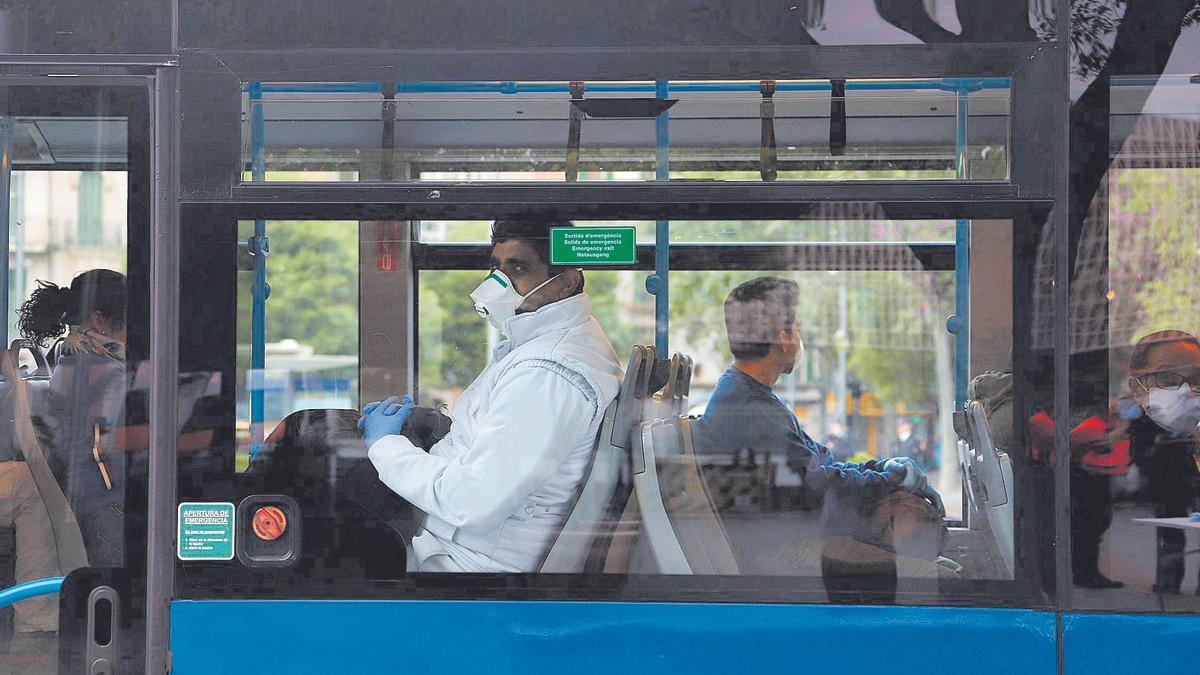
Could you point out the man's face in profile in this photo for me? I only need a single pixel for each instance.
(791, 346)
(519, 262)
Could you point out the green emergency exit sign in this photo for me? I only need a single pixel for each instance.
(205, 531)
(593, 245)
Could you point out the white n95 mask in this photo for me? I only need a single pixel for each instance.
(1175, 410)
(497, 300)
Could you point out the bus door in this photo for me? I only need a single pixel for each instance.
(74, 224)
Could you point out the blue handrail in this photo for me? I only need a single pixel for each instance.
(259, 248)
(662, 228)
(30, 589)
(960, 326)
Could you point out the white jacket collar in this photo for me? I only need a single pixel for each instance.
(564, 314)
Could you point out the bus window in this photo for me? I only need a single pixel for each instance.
(787, 130)
(303, 351)
(869, 410)
(1136, 364)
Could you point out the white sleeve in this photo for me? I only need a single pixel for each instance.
(536, 418)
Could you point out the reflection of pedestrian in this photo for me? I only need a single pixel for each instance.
(1091, 515)
(907, 445)
(836, 441)
(1165, 385)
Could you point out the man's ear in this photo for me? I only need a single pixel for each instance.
(559, 288)
(781, 340)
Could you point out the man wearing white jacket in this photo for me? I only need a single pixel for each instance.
(497, 488)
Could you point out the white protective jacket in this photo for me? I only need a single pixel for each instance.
(497, 488)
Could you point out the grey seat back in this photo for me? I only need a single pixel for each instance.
(583, 542)
(674, 395)
(680, 524)
(68, 538)
(990, 476)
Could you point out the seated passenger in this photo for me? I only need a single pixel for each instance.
(745, 415)
(497, 488)
(36, 556)
(87, 401)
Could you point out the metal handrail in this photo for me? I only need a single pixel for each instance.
(30, 589)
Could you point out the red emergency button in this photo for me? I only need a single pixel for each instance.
(269, 523)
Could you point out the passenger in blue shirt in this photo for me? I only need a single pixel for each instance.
(745, 415)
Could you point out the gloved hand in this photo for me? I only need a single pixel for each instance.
(384, 418)
(910, 477)
(905, 473)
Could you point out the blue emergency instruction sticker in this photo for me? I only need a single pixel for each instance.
(205, 531)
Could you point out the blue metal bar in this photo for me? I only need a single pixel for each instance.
(962, 263)
(259, 249)
(942, 84)
(662, 228)
(30, 589)
(7, 129)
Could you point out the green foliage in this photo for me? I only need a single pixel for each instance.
(313, 273)
(453, 345)
(1153, 213)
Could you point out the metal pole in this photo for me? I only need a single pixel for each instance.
(662, 229)
(1064, 588)
(259, 248)
(6, 141)
(16, 215)
(164, 369)
(841, 343)
(962, 263)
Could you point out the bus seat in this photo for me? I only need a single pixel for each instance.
(27, 402)
(680, 525)
(588, 531)
(674, 395)
(696, 521)
(990, 476)
(582, 542)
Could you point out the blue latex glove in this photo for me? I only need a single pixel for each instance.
(934, 498)
(910, 477)
(384, 418)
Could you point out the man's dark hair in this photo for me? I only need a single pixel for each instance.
(756, 312)
(533, 230)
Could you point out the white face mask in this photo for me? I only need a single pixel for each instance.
(799, 360)
(1175, 410)
(497, 300)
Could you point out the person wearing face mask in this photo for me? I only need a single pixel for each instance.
(86, 404)
(1164, 386)
(497, 488)
(744, 416)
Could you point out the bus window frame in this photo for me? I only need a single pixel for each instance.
(212, 200)
(200, 581)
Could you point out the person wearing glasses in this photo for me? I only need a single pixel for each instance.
(1164, 384)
